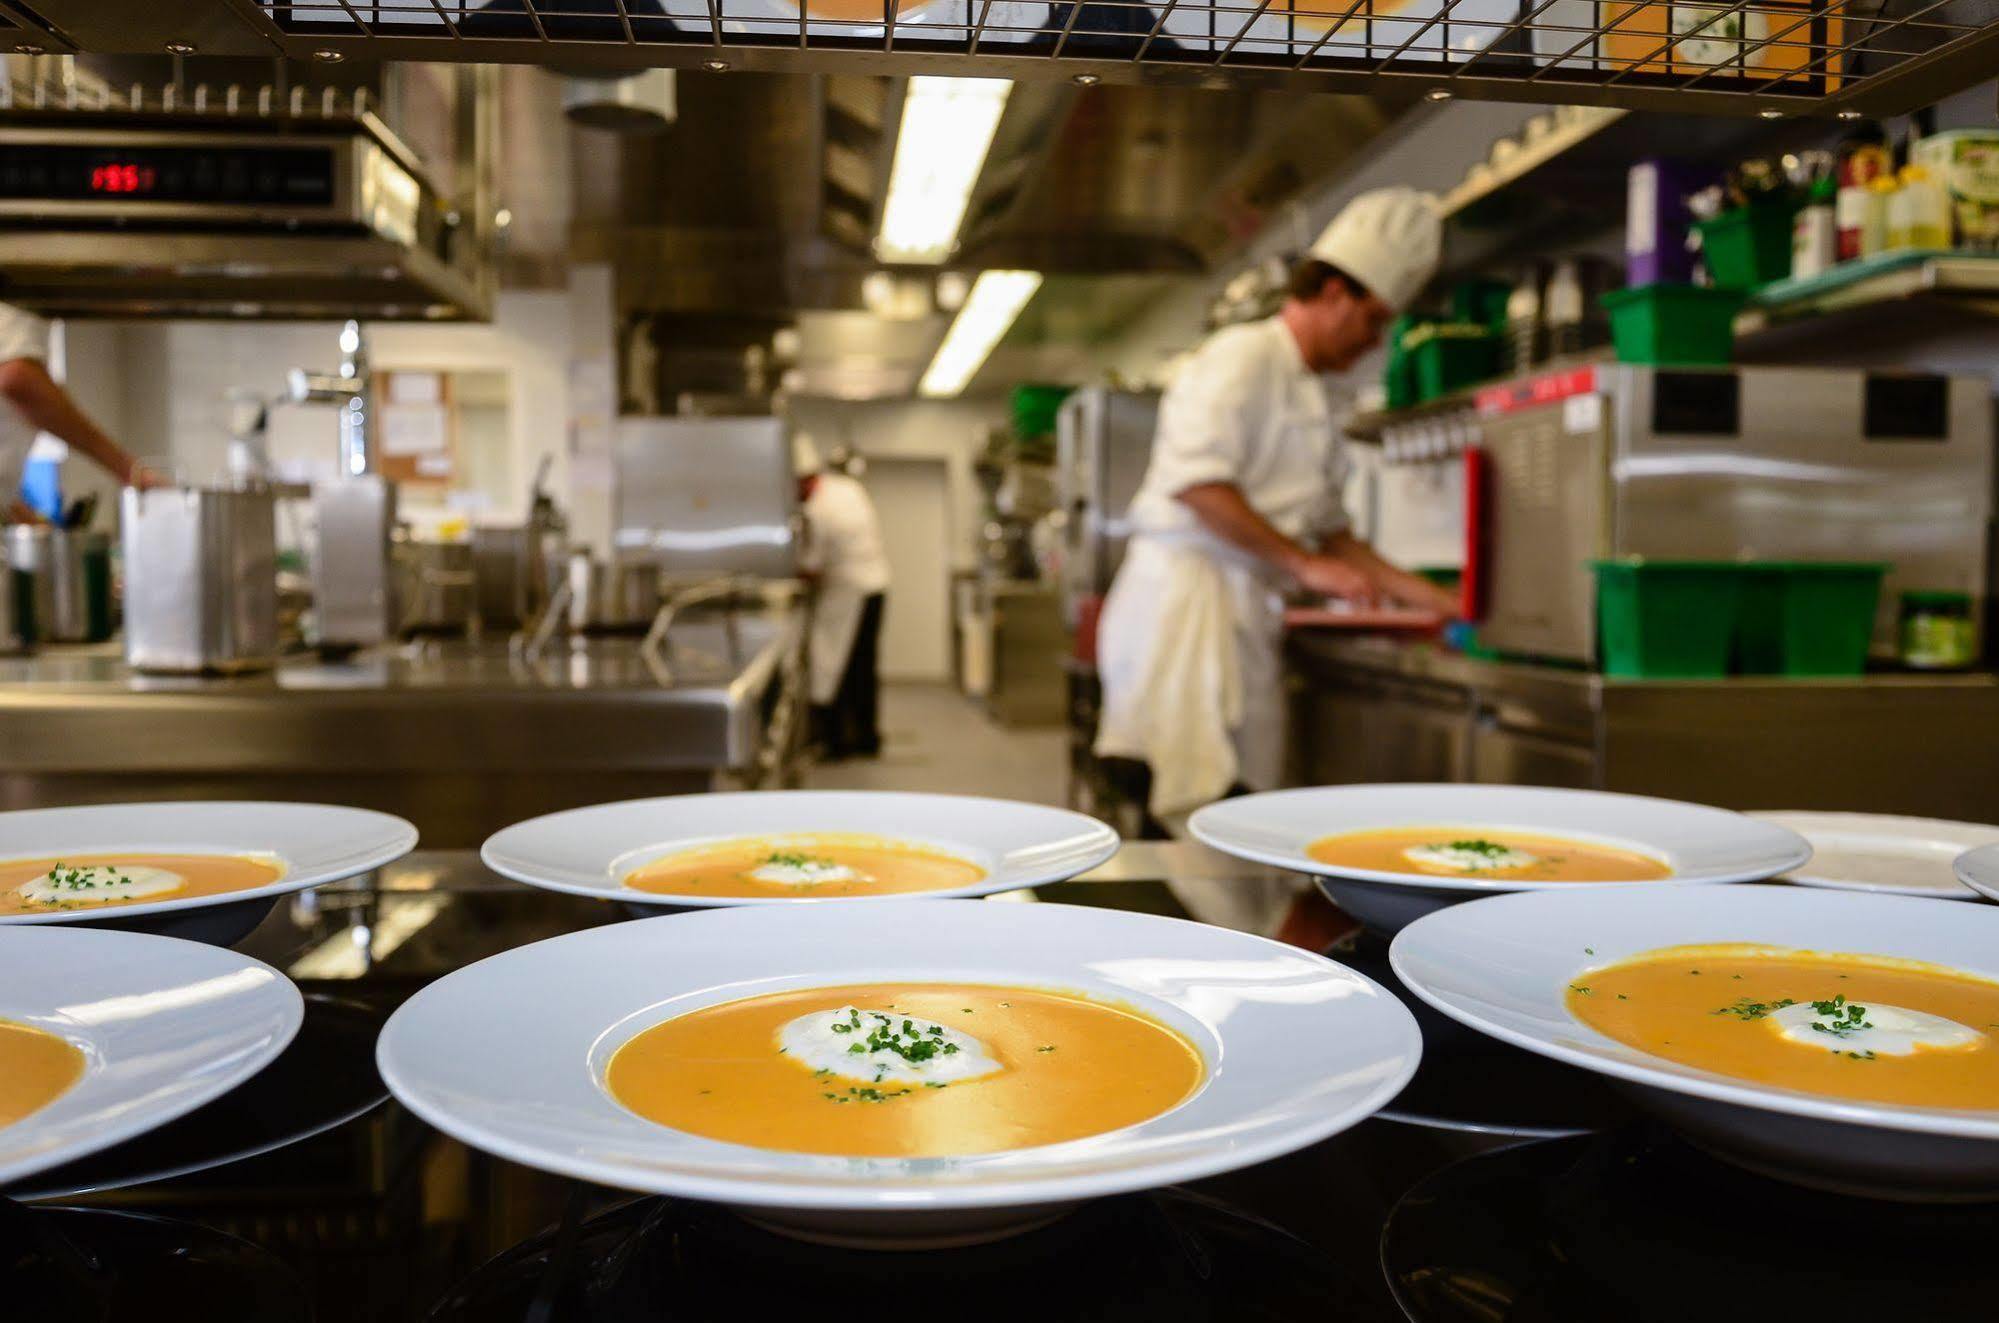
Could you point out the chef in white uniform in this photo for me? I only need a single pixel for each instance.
(36, 402)
(1240, 502)
(843, 555)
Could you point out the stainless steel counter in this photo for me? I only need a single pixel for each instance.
(461, 738)
(1368, 708)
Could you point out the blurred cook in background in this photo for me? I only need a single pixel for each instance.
(844, 558)
(35, 402)
(1241, 502)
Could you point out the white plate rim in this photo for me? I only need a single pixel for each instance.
(1970, 869)
(1203, 825)
(1713, 1087)
(1106, 842)
(861, 1198)
(136, 1123)
(1804, 821)
(400, 837)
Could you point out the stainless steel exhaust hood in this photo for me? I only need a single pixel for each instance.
(121, 213)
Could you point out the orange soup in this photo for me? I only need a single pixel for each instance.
(1483, 853)
(805, 867)
(79, 881)
(36, 1068)
(1852, 1026)
(905, 1070)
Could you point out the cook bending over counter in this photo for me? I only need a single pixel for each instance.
(1241, 501)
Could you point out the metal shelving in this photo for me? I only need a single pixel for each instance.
(1769, 57)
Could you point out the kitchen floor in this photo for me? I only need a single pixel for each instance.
(936, 739)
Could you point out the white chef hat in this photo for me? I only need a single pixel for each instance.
(805, 459)
(1389, 240)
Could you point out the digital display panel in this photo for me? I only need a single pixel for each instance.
(278, 176)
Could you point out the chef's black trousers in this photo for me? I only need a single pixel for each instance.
(850, 726)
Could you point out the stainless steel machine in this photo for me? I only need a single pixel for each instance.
(706, 496)
(353, 577)
(1103, 440)
(1755, 463)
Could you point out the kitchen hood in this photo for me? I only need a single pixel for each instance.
(321, 213)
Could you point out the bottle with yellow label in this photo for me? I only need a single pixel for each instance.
(1919, 212)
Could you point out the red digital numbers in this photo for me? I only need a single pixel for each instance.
(122, 177)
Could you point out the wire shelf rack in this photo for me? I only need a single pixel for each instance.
(1768, 57)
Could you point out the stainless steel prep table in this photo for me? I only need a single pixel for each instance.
(461, 738)
(1375, 709)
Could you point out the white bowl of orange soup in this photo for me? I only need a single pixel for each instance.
(106, 1035)
(779, 847)
(155, 864)
(923, 1072)
(1842, 1040)
(1389, 854)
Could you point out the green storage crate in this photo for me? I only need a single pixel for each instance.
(1750, 246)
(1666, 619)
(1449, 356)
(1673, 323)
(1806, 618)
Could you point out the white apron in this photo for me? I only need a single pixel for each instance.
(1189, 651)
(836, 618)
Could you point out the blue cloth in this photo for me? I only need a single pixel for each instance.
(41, 487)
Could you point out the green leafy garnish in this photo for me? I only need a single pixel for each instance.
(1745, 1008)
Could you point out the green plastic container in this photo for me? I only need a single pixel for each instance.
(1673, 323)
(1666, 619)
(1748, 247)
(1449, 356)
(1806, 618)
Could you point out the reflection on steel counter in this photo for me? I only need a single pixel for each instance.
(460, 738)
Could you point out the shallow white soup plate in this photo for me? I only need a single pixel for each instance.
(1700, 844)
(312, 844)
(590, 851)
(164, 1026)
(1979, 870)
(1503, 966)
(1884, 853)
(508, 1055)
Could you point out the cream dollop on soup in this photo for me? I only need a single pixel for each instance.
(905, 1070)
(801, 866)
(77, 881)
(1482, 853)
(1870, 1028)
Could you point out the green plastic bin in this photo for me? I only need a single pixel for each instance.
(1450, 356)
(1806, 618)
(1673, 323)
(1666, 619)
(1748, 247)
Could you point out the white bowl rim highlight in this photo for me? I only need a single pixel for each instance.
(1214, 825)
(1045, 845)
(244, 828)
(1035, 946)
(1597, 1052)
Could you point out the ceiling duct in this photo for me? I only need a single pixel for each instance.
(643, 102)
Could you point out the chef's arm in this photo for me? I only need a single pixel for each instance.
(1225, 512)
(41, 400)
(1391, 580)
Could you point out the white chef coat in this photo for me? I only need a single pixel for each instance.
(22, 335)
(843, 545)
(1245, 410)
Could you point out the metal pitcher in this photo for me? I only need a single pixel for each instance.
(201, 586)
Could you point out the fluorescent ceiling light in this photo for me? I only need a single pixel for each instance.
(947, 128)
(996, 299)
